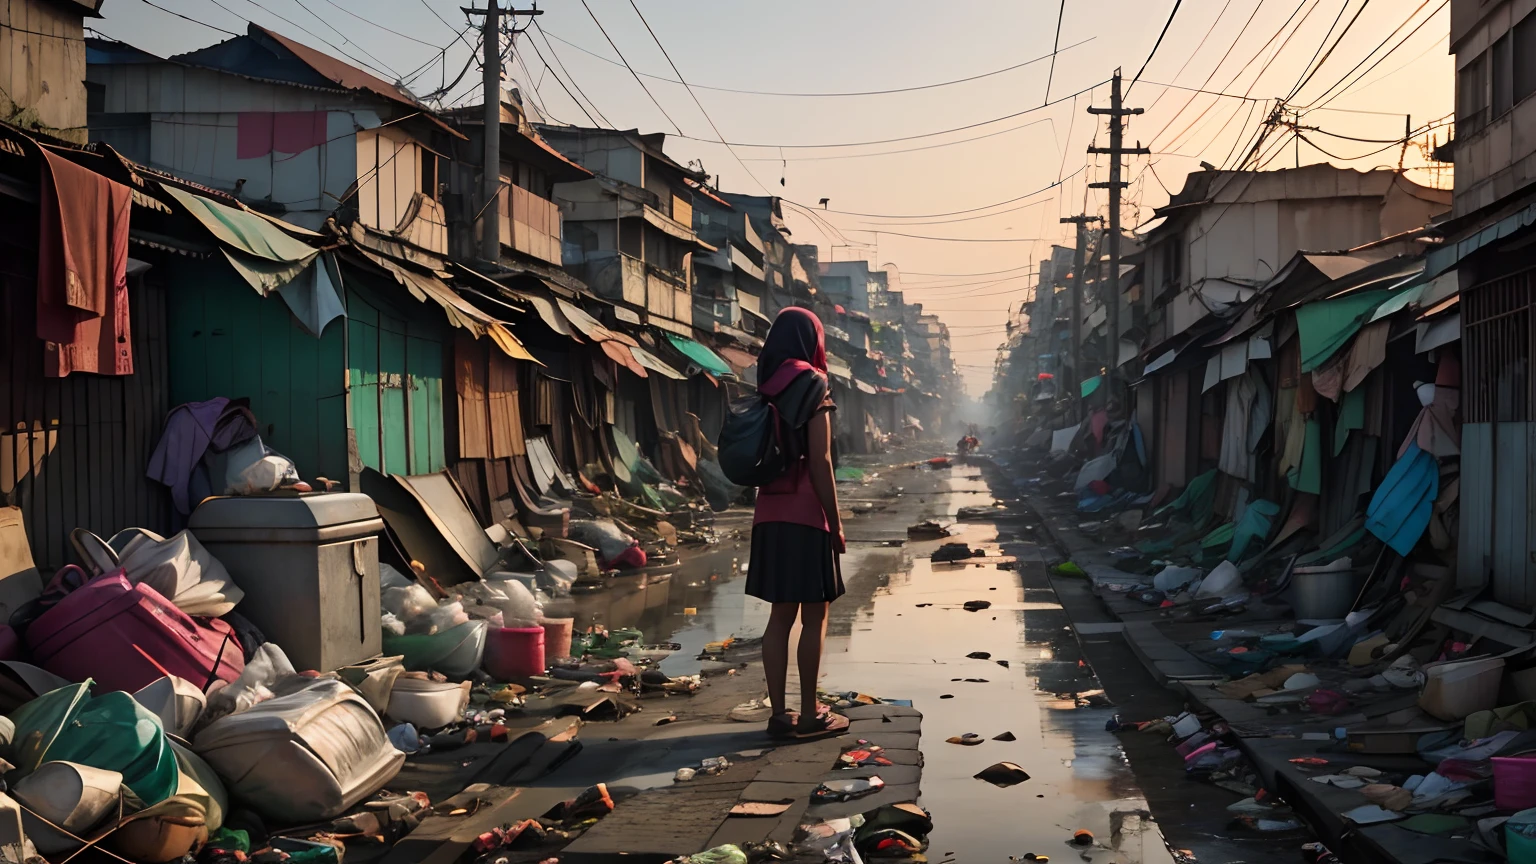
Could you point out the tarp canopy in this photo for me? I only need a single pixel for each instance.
(741, 361)
(1090, 386)
(838, 368)
(1325, 326)
(656, 364)
(865, 388)
(700, 355)
(591, 327)
(460, 312)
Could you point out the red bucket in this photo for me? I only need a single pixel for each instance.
(1514, 782)
(515, 652)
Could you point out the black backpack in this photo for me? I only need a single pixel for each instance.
(752, 451)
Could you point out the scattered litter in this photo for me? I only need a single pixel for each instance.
(761, 808)
(969, 739)
(1029, 856)
(928, 530)
(947, 696)
(1371, 814)
(977, 605)
(683, 775)
(1006, 736)
(1003, 775)
(1002, 663)
(956, 552)
(670, 718)
(1082, 837)
(979, 655)
(846, 790)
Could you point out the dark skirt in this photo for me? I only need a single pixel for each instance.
(793, 564)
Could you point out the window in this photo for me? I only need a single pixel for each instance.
(428, 173)
(1503, 75)
(1173, 260)
(1524, 51)
(1472, 96)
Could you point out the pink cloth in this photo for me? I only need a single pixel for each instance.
(260, 133)
(791, 498)
(82, 271)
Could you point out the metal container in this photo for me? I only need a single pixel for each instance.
(309, 567)
(1324, 595)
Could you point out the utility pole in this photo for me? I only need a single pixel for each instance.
(1078, 265)
(490, 225)
(1117, 151)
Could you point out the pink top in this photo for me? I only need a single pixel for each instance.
(792, 498)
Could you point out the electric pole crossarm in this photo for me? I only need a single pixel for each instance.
(490, 186)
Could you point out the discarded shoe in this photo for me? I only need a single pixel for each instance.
(1003, 775)
(977, 605)
(594, 803)
(969, 739)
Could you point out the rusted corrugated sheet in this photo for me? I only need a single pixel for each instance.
(95, 432)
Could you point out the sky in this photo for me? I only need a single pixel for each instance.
(941, 185)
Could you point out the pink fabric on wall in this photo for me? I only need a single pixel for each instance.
(261, 133)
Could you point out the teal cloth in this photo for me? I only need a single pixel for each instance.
(111, 732)
(1399, 511)
(1091, 385)
(701, 356)
(1351, 417)
(1308, 476)
(1327, 325)
(1198, 498)
(1256, 523)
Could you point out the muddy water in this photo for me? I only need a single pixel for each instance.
(881, 641)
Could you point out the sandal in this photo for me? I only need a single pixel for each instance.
(822, 725)
(783, 725)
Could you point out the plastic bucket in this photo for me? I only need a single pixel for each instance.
(515, 652)
(1324, 595)
(1514, 782)
(557, 637)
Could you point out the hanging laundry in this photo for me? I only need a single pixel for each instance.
(1328, 379)
(1238, 437)
(1399, 511)
(82, 270)
(1254, 525)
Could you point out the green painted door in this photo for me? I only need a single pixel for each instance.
(396, 366)
(227, 340)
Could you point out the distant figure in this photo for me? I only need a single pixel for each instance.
(963, 446)
(797, 534)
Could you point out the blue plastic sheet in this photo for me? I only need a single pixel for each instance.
(1399, 511)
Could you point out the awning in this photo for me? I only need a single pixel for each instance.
(460, 312)
(548, 313)
(740, 360)
(838, 368)
(1160, 362)
(700, 355)
(1326, 325)
(673, 228)
(866, 388)
(1433, 334)
(1399, 302)
(1447, 256)
(741, 336)
(1091, 386)
(591, 327)
(656, 364)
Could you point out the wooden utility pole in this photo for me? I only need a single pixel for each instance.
(1116, 151)
(490, 225)
(1079, 253)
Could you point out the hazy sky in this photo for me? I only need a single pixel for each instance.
(843, 46)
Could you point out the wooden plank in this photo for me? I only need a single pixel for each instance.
(363, 378)
(392, 399)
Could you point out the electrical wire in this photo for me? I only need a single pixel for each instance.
(563, 69)
(446, 88)
(386, 72)
(964, 128)
(912, 89)
(186, 18)
(952, 212)
(1322, 101)
(631, 69)
(1342, 33)
(446, 24)
(567, 89)
(1061, 13)
(895, 152)
(1155, 45)
(371, 23)
(947, 239)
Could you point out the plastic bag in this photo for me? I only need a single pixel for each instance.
(444, 617)
(256, 684)
(409, 603)
(253, 468)
(389, 578)
(602, 535)
(511, 596)
(392, 625)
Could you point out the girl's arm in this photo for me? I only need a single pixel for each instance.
(822, 479)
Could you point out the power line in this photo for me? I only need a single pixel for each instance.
(954, 143)
(824, 95)
(1306, 76)
(631, 69)
(1322, 101)
(947, 239)
(567, 89)
(1061, 13)
(968, 126)
(185, 18)
(371, 23)
(953, 212)
(567, 72)
(449, 26)
(1167, 24)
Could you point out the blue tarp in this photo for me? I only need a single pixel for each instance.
(1399, 511)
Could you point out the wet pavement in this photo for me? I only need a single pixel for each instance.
(901, 632)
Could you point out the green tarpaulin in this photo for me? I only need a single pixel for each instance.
(1325, 326)
(1091, 385)
(1307, 476)
(1351, 417)
(701, 356)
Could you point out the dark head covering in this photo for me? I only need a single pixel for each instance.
(796, 335)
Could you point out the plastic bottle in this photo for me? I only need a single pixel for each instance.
(1317, 853)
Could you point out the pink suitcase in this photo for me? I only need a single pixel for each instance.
(125, 636)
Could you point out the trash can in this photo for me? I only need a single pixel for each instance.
(309, 567)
